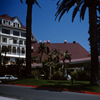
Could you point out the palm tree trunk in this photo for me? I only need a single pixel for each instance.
(93, 43)
(28, 38)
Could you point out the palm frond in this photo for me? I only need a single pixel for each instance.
(76, 9)
(37, 3)
(82, 13)
(21, 1)
(98, 9)
(74, 13)
(62, 14)
(58, 2)
(64, 6)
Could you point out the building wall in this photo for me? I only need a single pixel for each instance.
(15, 52)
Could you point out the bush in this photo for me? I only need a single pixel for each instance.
(35, 73)
(80, 75)
(57, 75)
(74, 75)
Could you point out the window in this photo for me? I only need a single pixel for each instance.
(23, 34)
(9, 23)
(5, 31)
(0, 22)
(4, 21)
(23, 51)
(4, 40)
(21, 42)
(18, 25)
(16, 33)
(14, 49)
(15, 24)
(15, 41)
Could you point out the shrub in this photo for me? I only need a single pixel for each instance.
(80, 75)
(57, 75)
(74, 75)
(35, 73)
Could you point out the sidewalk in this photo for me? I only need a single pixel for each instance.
(7, 98)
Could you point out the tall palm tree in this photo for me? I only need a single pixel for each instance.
(92, 5)
(28, 33)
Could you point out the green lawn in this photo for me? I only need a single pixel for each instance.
(63, 84)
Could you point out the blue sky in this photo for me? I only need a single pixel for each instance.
(44, 26)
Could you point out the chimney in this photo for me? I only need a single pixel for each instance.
(40, 41)
(45, 41)
(74, 42)
(65, 41)
(48, 41)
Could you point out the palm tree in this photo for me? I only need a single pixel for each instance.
(42, 49)
(28, 33)
(92, 5)
(65, 56)
(5, 50)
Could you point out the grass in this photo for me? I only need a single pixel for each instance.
(63, 84)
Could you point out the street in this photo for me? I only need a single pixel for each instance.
(30, 93)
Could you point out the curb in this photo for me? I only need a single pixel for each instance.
(57, 89)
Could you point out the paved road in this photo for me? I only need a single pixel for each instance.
(30, 93)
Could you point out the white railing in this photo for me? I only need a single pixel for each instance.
(12, 53)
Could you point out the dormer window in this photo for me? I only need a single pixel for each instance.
(18, 25)
(9, 23)
(15, 24)
(6, 22)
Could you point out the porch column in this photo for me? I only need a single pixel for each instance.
(16, 50)
(11, 50)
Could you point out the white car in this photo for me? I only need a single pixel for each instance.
(8, 77)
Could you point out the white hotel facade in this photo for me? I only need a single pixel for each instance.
(13, 36)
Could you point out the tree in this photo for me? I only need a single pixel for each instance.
(42, 49)
(28, 33)
(92, 5)
(34, 59)
(5, 50)
(65, 56)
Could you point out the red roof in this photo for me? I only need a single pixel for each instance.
(75, 49)
(7, 17)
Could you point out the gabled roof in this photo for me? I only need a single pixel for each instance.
(7, 17)
(75, 49)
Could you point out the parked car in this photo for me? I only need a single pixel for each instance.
(8, 77)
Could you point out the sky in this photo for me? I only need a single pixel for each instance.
(44, 26)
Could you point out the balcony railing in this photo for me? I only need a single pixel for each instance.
(12, 53)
